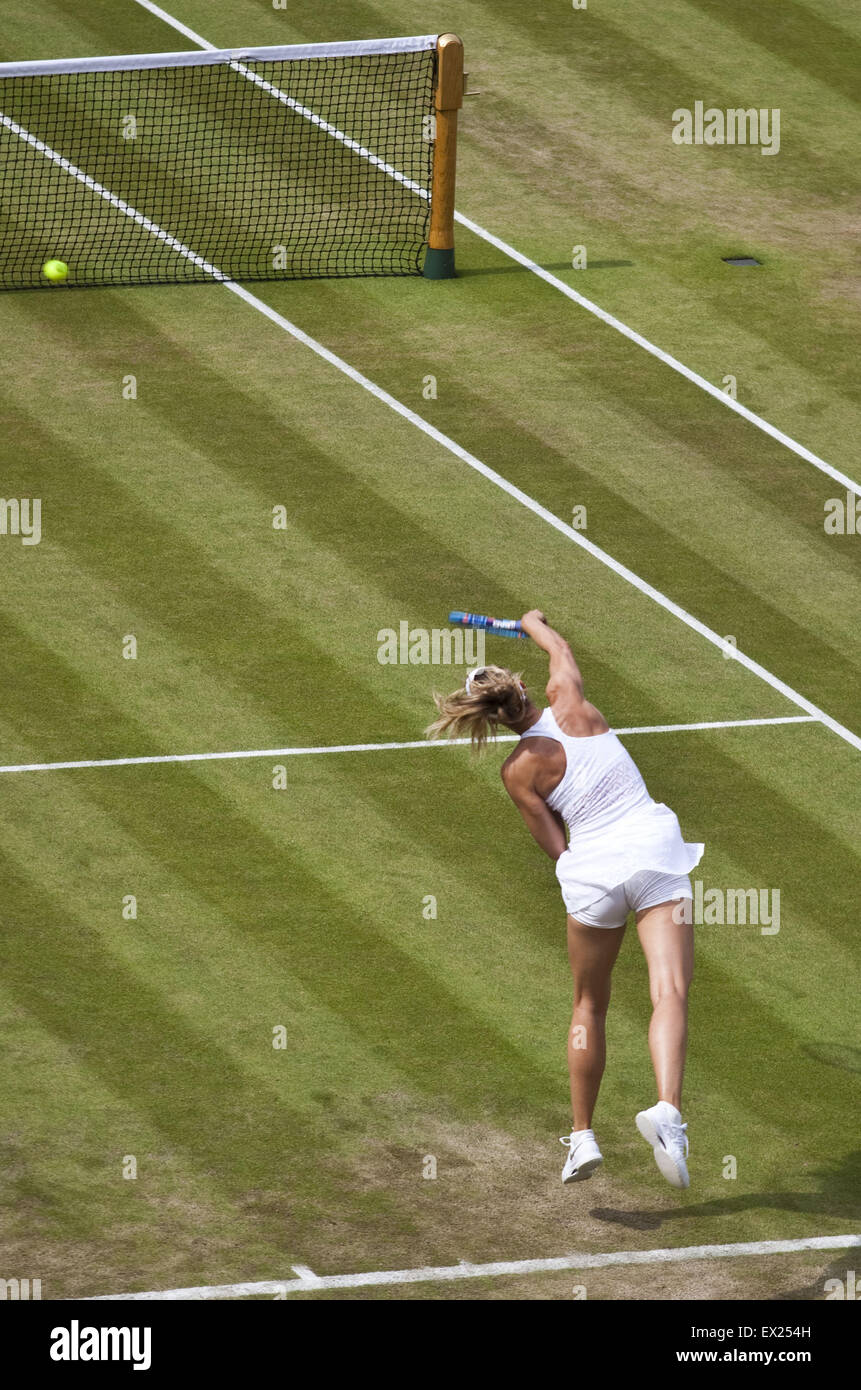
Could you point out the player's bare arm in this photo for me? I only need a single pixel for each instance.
(544, 825)
(564, 688)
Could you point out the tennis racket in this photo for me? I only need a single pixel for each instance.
(503, 627)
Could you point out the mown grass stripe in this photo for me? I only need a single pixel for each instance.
(466, 457)
(541, 511)
(477, 230)
(669, 361)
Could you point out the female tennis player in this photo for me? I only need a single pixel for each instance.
(624, 853)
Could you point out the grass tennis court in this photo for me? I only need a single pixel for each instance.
(295, 899)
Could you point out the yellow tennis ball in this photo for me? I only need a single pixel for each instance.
(55, 270)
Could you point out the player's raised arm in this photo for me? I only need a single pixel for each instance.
(564, 672)
(565, 685)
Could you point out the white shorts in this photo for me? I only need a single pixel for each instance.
(636, 893)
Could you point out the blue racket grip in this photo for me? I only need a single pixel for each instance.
(503, 627)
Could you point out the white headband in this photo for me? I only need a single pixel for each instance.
(471, 675)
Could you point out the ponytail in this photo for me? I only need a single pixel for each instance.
(493, 696)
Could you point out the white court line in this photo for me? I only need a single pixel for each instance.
(372, 747)
(556, 283)
(294, 105)
(119, 203)
(176, 24)
(448, 1273)
(433, 433)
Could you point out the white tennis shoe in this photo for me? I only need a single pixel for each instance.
(661, 1126)
(584, 1156)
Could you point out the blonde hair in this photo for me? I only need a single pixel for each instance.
(495, 696)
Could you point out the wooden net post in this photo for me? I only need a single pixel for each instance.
(448, 99)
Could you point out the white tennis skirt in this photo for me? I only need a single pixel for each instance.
(599, 859)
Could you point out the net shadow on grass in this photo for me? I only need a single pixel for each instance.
(554, 265)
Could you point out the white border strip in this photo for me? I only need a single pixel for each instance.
(370, 747)
(280, 54)
(588, 305)
(448, 1273)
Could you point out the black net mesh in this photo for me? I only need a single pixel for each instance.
(259, 170)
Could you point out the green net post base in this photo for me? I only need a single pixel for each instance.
(439, 263)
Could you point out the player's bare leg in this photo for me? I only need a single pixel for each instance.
(669, 950)
(668, 946)
(592, 953)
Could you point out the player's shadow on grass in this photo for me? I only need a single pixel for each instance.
(836, 1055)
(816, 1290)
(838, 1196)
(557, 265)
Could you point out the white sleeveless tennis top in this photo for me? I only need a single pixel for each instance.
(615, 829)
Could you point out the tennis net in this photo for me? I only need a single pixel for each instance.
(245, 164)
